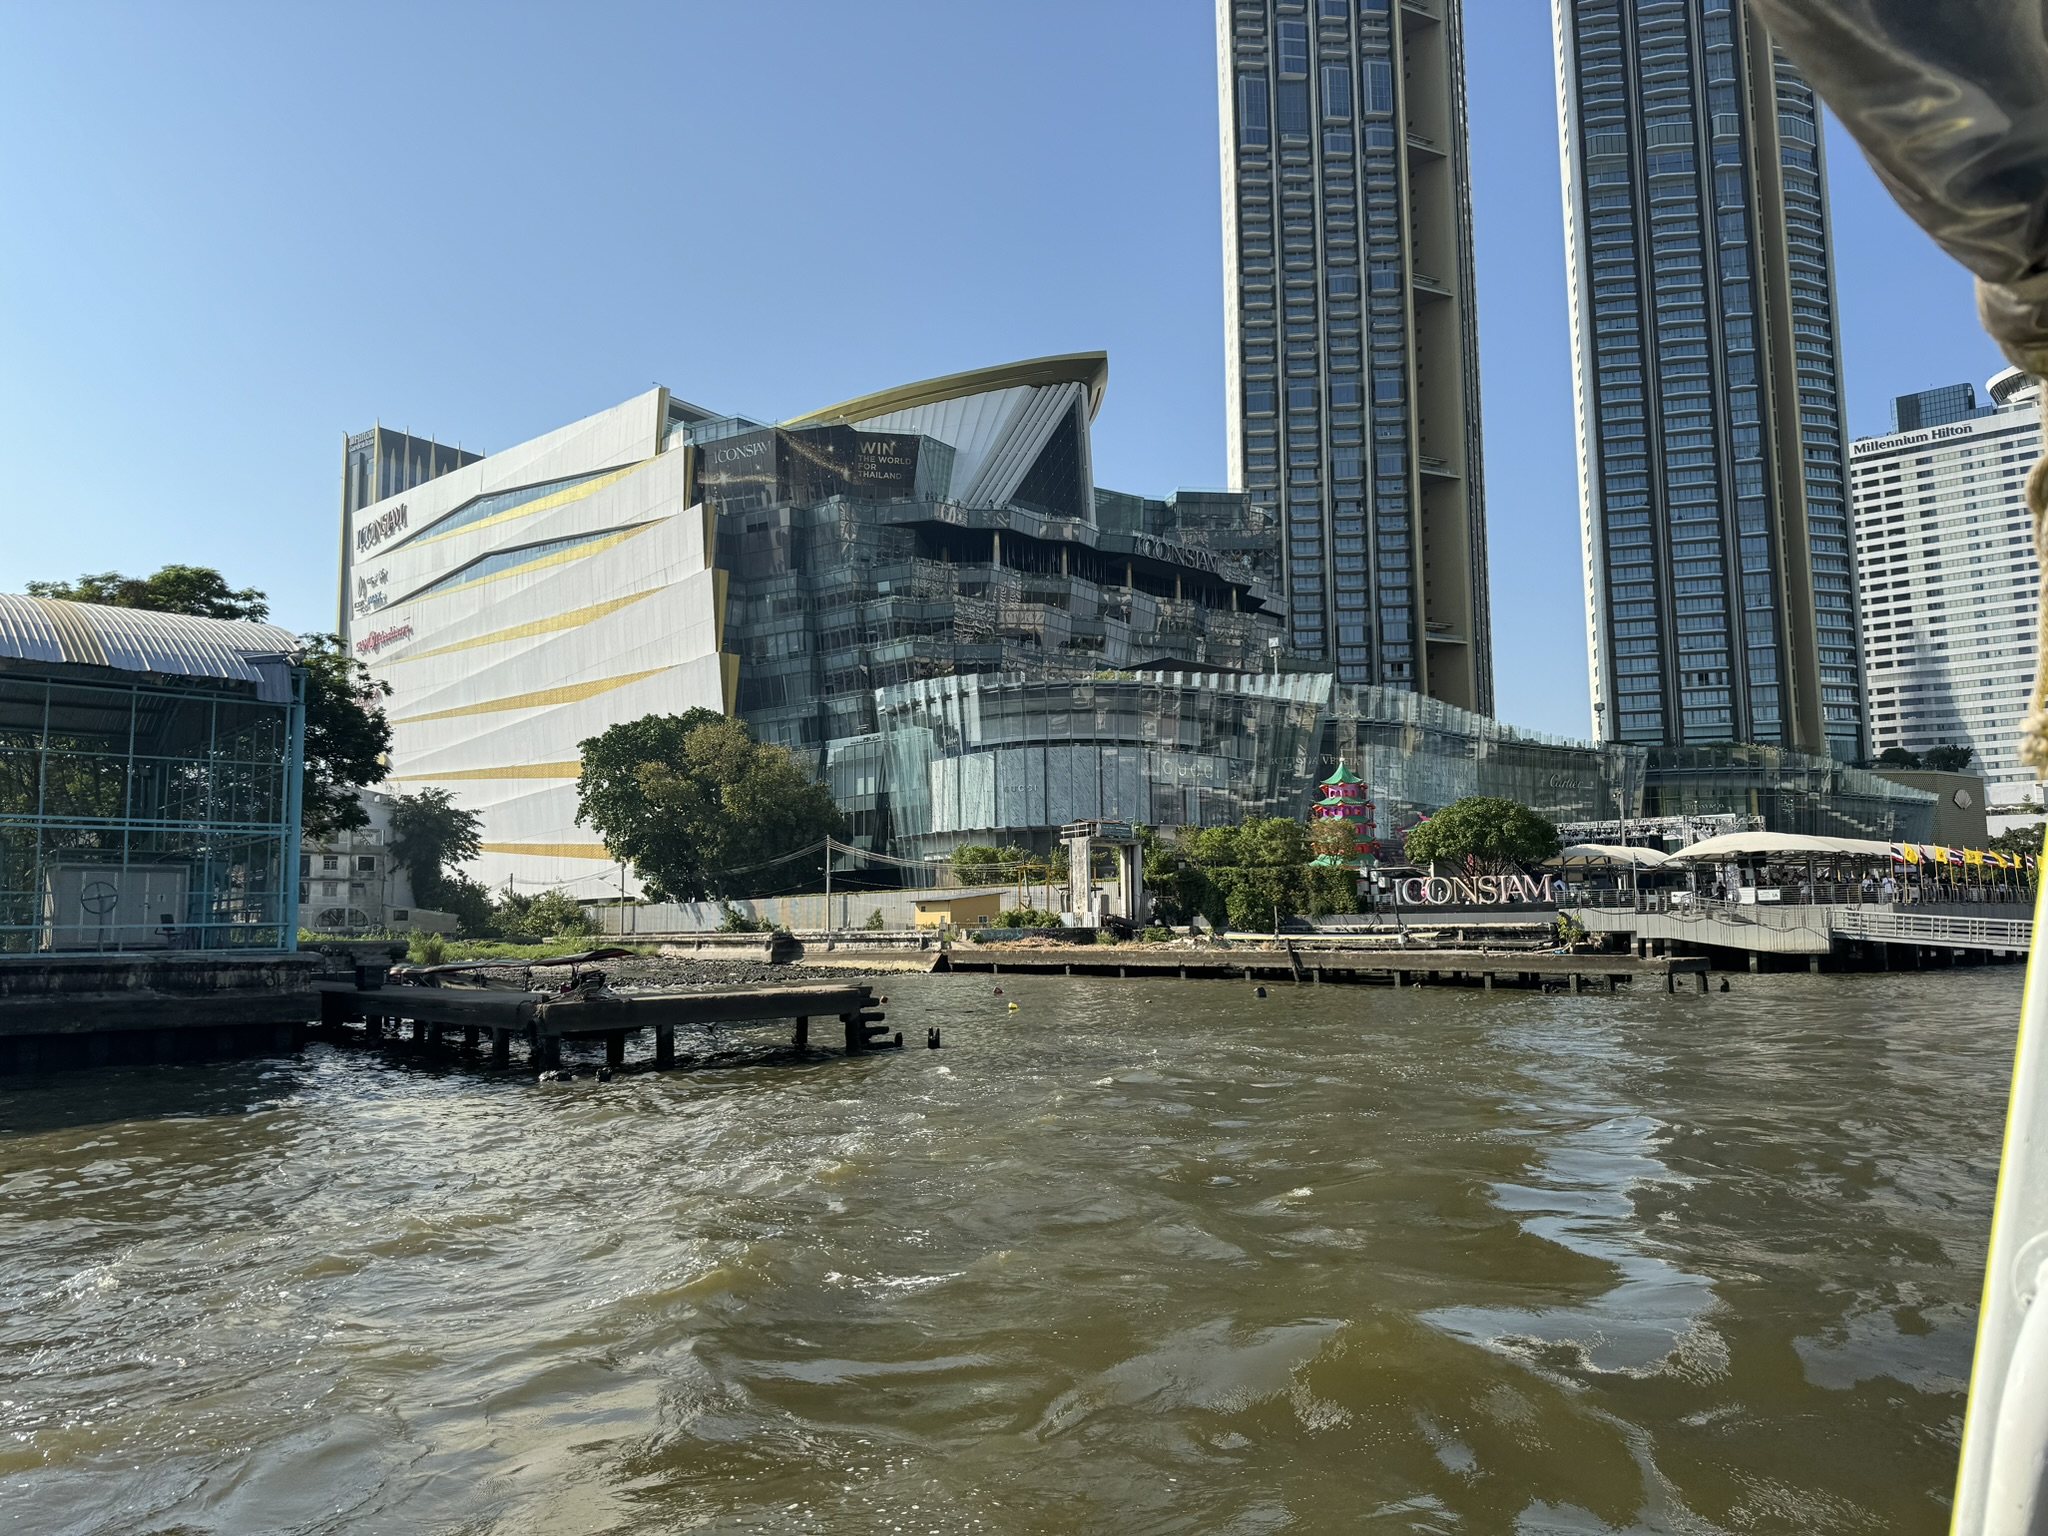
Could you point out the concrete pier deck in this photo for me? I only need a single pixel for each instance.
(544, 1019)
(157, 1006)
(1352, 965)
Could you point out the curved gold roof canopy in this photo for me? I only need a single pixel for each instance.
(1089, 368)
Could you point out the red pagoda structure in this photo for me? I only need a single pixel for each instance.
(1344, 799)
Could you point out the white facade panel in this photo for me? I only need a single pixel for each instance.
(511, 638)
(1949, 580)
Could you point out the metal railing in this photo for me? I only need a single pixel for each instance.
(1778, 898)
(1895, 927)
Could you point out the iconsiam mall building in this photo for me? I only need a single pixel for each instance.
(922, 593)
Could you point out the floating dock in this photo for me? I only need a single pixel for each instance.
(543, 1020)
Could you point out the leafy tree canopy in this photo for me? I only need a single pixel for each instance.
(429, 834)
(534, 919)
(1244, 877)
(1333, 837)
(981, 864)
(192, 589)
(695, 804)
(1483, 830)
(346, 733)
(2019, 840)
(1268, 842)
(1944, 759)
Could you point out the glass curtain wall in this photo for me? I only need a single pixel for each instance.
(140, 816)
(968, 758)
(1716, 526)
(1350, 338)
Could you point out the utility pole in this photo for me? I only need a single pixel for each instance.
(830, 926)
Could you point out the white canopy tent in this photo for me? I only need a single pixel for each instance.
(1615, 854)
(1779, 845)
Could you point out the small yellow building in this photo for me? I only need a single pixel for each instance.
(959, 909)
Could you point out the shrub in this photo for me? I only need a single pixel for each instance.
(427, 949)
(1026, 917)
(876, 922)
(550, 915)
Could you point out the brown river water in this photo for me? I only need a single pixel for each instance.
(1136, 1257)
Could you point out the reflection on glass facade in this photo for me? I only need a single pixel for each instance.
(1012, 759)
(853, 569)
(1720, 600)
(1350, 332)
(144, 815)
(970, 759)
(1791, 791)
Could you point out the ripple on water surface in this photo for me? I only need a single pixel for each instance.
(1142, 1257)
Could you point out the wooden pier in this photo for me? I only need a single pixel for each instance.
(1542, 970)
(543, 1020)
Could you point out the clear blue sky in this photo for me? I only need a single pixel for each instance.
(235, 233)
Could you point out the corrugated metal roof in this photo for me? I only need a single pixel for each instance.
(174, 644)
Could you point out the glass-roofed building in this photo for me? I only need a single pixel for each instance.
(149, 781)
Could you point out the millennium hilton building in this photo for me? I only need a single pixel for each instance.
(1945, 558)
(1720, 604)
(1350, 332)
(658, 557)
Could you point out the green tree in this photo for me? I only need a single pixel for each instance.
(1274, 842)
(1334, 837)
(1180, 892)
(1896, 757)
(347, 736)
(1948, 759)
(430, 833)
(981, 864)
(1492, 834)
(469, 903)
(1241, 877)
(535, 919)
(192, 589)
(2020, 840)
(696, 805)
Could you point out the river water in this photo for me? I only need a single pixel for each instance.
(1133, 1257)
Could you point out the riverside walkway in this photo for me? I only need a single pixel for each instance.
(1875, 935)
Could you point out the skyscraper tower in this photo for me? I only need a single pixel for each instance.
(1350, 331)
(1719, 596)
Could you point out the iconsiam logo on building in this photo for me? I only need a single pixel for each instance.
(1479, 891)
(380, 528)
(377, 639)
